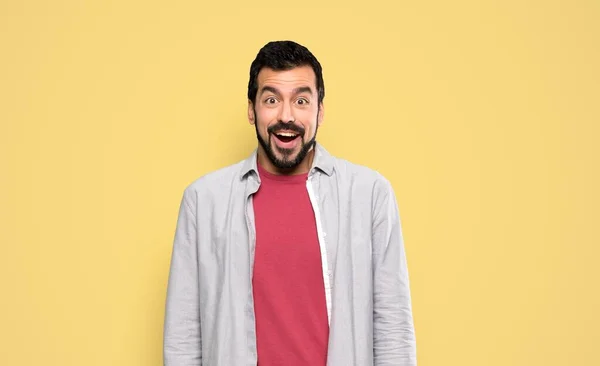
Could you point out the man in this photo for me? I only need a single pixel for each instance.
(292, 256)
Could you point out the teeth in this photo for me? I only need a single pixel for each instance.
(287, 134)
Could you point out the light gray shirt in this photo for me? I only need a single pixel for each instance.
(209, 317)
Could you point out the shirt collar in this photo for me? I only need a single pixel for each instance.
(322, 161)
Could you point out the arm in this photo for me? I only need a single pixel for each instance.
(393, 330)
(182, 338)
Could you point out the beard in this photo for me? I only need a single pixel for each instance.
(288, 160)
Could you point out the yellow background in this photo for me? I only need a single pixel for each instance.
(483, 114)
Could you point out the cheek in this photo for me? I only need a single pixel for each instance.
(310, 121)
(265, 118)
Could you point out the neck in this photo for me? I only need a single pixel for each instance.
(301, 168)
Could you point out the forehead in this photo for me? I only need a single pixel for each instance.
(298, 76)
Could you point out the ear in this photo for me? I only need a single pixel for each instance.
(251, 116)
(321, 114)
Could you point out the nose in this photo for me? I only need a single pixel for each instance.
(286, 113)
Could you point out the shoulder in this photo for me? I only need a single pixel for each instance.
(215, 183)
(366, 184)
(362, 175)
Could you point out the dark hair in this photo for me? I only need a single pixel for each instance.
(284, 55)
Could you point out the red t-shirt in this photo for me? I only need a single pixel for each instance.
(288, 289)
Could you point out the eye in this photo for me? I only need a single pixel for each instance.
(271, 100)
(302, 101)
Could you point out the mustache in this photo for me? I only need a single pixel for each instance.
(280, 126)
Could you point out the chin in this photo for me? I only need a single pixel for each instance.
(286, 152)
(287, 158)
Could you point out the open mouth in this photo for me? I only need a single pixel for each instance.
(286, 136)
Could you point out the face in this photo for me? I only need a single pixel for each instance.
(286, 115)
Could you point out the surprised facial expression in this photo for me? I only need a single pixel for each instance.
(286, 114)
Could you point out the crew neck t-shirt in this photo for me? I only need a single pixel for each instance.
(287, 282)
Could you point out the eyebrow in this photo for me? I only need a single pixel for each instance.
(299, 90)
(303, 89)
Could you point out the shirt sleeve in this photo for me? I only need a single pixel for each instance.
(393, 329)
(182, 336)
